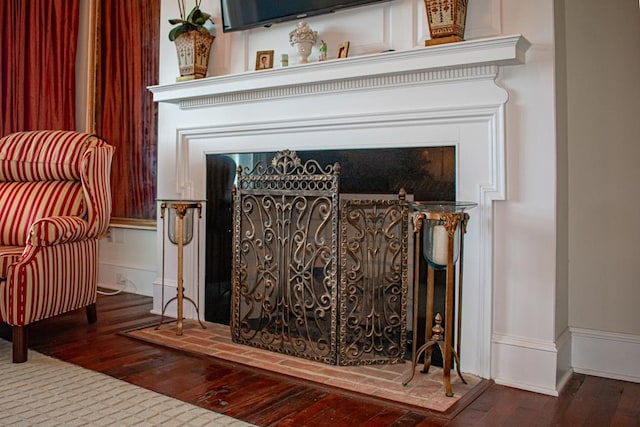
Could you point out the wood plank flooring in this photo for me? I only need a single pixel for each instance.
(267, 399)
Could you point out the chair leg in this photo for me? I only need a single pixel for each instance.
(92, 315)
(20, 343)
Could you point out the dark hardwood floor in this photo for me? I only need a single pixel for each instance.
(268, 399)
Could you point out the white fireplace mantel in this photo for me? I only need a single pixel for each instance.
(435, 96)
(447, 61)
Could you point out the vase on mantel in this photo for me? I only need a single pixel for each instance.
(193, 48)
(304, 50)
(446, 19)
(303, 38)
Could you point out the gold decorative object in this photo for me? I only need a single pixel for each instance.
(264, 60)
(443, 225)
(343, 50)
(180, 233)
(193, 50)
(446, 19)
(192, 34)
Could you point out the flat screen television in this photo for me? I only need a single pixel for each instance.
(244, 14)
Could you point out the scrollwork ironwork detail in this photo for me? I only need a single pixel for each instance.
(285, 258)
(373, 279)
(286, 296)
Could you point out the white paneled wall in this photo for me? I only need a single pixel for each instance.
(530, 340)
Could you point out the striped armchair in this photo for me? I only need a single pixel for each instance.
(55, 202)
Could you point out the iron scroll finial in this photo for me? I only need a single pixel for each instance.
(286, 161)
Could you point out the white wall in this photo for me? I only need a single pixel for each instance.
(525, 351)
(530, 337)
(563, 336)
(404, 27)
(128, 260)
(603, 64)
(529, 334)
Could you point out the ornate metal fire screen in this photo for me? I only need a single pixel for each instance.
(373, 281)
(286, 291)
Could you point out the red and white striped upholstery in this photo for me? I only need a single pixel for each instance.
(55, 202)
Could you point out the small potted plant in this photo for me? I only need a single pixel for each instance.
(193, 41)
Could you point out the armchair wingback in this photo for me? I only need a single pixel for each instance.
(55, 202)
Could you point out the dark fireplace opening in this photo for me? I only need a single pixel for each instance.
(425, 174)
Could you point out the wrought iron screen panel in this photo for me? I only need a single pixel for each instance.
(284, 293)
(373, 281)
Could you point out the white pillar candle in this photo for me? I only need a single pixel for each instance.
(440, 245)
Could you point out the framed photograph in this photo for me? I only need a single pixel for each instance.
(343, 50)
(264, 59)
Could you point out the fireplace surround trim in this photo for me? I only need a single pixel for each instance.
(193, 144)
(467, 112)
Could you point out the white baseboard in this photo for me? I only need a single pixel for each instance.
(525, 363)
(545, 367)
(564, 368)
(135, 280)
(606, 354)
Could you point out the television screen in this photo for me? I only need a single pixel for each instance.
(244, 14)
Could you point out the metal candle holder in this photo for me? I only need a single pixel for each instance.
(180, 233)
(444, 225)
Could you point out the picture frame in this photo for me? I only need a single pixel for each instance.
(343, 50)
(264, 60)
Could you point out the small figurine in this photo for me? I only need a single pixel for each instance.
(323, 51)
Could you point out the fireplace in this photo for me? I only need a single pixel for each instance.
(423, 173)
(419, 98)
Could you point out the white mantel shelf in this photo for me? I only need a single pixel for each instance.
(363, 71)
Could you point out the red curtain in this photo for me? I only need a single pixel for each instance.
(38, 43)
(125, 111)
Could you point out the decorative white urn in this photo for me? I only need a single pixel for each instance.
(304, 50)
(303, 38)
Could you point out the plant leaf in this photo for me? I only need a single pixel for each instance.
(201, 18)
(194, 14)
(175, 32)
(195, 21)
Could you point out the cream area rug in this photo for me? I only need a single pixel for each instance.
(49, 392)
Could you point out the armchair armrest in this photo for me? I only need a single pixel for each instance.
(57, 230)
